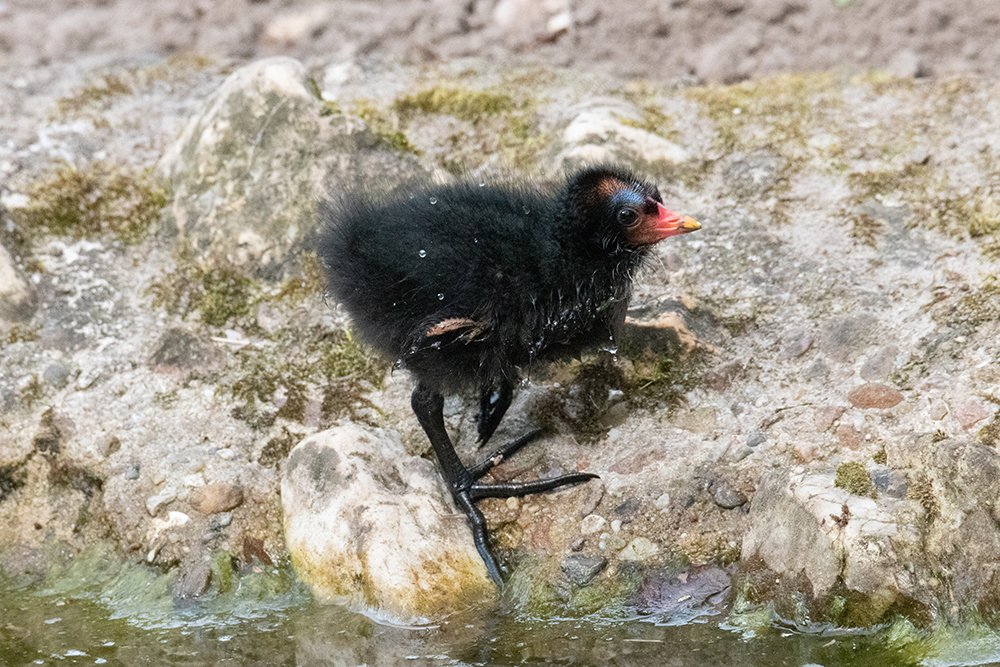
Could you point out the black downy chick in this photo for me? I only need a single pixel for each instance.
(466, 284)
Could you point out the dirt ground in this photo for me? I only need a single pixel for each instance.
(710, 40)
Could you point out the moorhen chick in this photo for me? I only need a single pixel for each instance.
(467, 284)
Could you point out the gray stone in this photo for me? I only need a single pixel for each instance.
(842, 337)
(57, 375)
(892, 483)
(756, 437)
(879, 366)
(581, 569)
(726, 497)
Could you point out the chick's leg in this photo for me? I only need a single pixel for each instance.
(428, 404)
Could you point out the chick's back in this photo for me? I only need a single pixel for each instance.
(403, 264)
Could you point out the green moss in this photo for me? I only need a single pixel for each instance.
(773, 112)
(989, 435)
(663, 377)
(865, 229)
(463, 104)
(223, 571)
(20, 333)
(853, 478)
(922, 491)
(299, 364)
(227, 293)
(329, 108)
(880, 457)
(383, 127)
(96, 199)
(306, 280)
(983, 305)
(96, 95)
(654, 121)
(32, 392)
(218, 293)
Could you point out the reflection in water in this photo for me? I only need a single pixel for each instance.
(267, 619)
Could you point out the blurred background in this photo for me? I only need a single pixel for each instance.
(708, 40)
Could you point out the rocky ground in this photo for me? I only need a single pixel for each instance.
(804, 411)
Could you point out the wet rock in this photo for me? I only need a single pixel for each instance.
(875, 395)
(581, 569)
(892, 549)
(373, 528)
(194, 581)
(683, 597)
(217, 497)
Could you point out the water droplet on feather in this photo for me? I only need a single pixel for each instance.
(422, 253)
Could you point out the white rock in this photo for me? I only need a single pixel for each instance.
(375, 529)
(639, 549)
(593, 523)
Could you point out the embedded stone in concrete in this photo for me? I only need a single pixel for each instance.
(373, 528)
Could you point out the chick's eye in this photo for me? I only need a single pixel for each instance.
(627, 216)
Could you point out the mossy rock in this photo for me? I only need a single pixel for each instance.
(251, 164)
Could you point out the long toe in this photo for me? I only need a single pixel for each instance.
(519, 489)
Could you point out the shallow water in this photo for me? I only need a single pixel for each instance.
(121, 615)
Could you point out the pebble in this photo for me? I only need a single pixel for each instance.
(825, 416)
(969, 413)
(727, 497)
(938, 411)
(217, 497)
(639, 549)
(756, 437)
(581, 569)
(848, 436)
(616, 525)
(57, 375)
(875, 395)
(593, 523)
(220, 521)
(155, 503)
